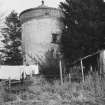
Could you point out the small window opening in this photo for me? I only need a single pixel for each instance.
(54, 38)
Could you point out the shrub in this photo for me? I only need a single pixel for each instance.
(50, 68)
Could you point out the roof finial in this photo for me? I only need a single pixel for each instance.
(42, 2)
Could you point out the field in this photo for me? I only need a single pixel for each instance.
(38, 91)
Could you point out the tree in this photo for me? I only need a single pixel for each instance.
(12, 40)
(84, 31)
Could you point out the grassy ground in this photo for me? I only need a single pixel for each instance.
(41, 92)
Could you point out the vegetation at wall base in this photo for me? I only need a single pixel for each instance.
(50, 67)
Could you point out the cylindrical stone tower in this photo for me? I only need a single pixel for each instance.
(41, 31)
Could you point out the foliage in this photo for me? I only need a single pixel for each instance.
(12, 40)
(84, 22)
(50, 68)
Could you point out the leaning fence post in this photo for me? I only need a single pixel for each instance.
(82, 71)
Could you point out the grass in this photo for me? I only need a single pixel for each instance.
(41, 92)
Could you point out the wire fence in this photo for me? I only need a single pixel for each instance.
(77, 72)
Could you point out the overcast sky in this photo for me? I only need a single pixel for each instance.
(20, 5)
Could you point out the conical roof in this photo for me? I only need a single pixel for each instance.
(40, 11)
(42, 6)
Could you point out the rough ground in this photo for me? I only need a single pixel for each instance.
(40, 92)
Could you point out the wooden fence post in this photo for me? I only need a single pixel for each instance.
(82, 71)
(61, 75)
(69, 77)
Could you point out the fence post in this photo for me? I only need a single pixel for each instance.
(69, 77)
(82, 71)
(9, 84)
(61, 76)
